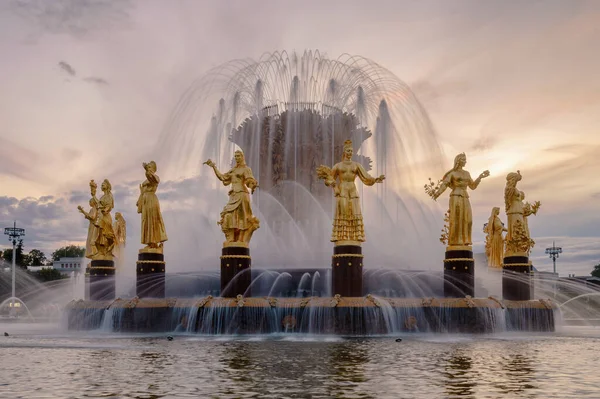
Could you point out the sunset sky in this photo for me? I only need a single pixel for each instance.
(88, 85)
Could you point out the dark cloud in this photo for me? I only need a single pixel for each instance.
(96, 80)
(48, 221)
(68, 69)
(484, 143)
(77, 18)
(19, 161)
(79, 197)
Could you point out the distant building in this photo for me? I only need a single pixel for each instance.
(69, 265)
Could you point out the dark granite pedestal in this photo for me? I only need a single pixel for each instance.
(101, 285)
(150, 275)
(347, 271)
(236, 275)
(517, 278)
(459, 273)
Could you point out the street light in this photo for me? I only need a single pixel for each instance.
(554, 252)
(13, 234)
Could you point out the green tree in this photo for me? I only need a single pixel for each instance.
(22, 259)
(596, 271)
(49, 274)
(70, 251)
(36, 258)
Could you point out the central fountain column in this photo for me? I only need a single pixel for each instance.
(236, 275)
(459, 271)
(347, 269)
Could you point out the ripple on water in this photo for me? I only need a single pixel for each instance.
(65, 365)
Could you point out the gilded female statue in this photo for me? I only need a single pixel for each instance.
(494, 242)
(153, 227)
(120, 229)
(105, 241)
(348, 221)
(461, 218)
(518, 239)
(91, 216)
(237, 221)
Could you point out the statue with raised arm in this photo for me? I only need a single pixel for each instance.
(494, 241)
(461, 218)
(153, 228)
(91, 216)
(120, 229)
(237, 221)
(105, 241)
(518, 239)
(348, 228)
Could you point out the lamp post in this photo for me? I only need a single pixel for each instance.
(554, 252)
(13, 234)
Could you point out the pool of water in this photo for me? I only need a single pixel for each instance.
(44, 361)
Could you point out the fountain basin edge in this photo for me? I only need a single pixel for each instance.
(316, 315)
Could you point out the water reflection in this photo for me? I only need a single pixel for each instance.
(299, 367)
(459, 375)
(519, 374)
(347, 361)
(291, 369)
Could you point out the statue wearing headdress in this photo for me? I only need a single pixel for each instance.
(348, 225)
(460, 215)
(120, 229)
(153, 228)
(91, 216)
(105, 241)
(518, 239)
(494, 241)
(237, 221)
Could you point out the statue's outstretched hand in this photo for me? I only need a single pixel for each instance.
(209, 162)
(253, 186)
(380, 179)
(484, 174)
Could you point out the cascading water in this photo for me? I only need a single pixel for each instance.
(292, 112)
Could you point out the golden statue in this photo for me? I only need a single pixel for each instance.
(92, 215)
(518, 239)
(494, 241)
(105, 241)
(120, 229)
(153, 227)
(348, 228)
(237, 221)
(461, 218)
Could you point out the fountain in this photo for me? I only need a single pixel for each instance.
(279, 122)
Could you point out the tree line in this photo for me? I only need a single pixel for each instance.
(35, 257)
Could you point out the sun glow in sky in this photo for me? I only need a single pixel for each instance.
(87, 88)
